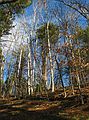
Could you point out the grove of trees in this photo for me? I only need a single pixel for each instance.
(49, 50)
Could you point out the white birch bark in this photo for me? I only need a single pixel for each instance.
(46, 70)
(19, 66)
(29, 84)
(30, 72)
(19, 62)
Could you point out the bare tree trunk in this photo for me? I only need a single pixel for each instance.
(30, 71)
(1, 76)
(50, 57)
(18, 77)
(79, 87)
(60, 74)
(44, 67)
(29, 82)
(71, 81)
(1, 71)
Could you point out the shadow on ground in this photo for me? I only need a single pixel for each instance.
(9, 112)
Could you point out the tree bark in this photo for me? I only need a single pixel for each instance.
(30, 71)
(50, 57)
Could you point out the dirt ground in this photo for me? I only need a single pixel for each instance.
(13, 109)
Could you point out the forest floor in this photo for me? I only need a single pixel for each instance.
(65, 109)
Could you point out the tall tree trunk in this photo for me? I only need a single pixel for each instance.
(44, 66)
(1, 71)
(18, 77)
(79, 87)
(30, 71)
(0, 80)
(71, 81)
(77, 74)
(60, 75)
(50, 58)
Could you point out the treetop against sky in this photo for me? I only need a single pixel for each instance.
(32, 10)
(35, 13)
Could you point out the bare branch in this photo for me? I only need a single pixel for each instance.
(82, 10)
(7, 1)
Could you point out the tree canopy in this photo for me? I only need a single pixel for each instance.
(8, 9)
